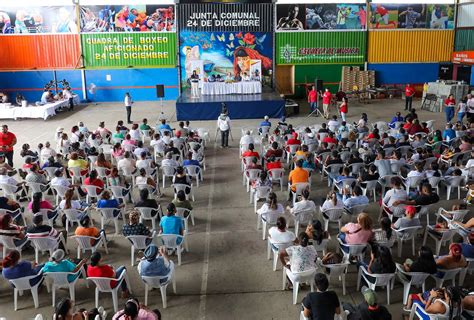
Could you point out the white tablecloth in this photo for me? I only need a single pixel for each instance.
(44, 111)
(243, 87)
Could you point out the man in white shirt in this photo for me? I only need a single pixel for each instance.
(169, 161)
(396, 193)
(46, 97)
(247, 139)
(127, 163)
(333, 124)
(223, 123)
(47, 151)
(59, 179)
(470, 106)
(140, 149)
(5, 179)
(127, 101)
(67, 94)
(304, 204)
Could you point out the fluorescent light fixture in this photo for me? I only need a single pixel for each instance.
(318, 1)
(415, 2)
(37, 3)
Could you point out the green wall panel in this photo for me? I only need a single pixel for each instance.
(464, 40)
(329, 73)
(151, 49)
(320, 47)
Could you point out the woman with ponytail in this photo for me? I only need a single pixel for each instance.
(271, 207)
(135, 311)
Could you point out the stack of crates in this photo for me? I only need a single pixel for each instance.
(352, 76)
(349, 78)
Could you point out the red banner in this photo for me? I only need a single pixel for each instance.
(466, 57)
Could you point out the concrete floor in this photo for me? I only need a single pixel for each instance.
(225, 275)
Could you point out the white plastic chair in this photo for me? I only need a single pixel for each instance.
(434, 182)
(138, 242)
(145, 135)
(16, 214)
(456, 215)
(155, 282)
(381, 280)
(72, 216)
(44, 214)
(23, 284)
(182, 187)
(469, 268)
(334, 270)
(167, 172)
(385, 181)
(299, 188)
(61, 280)
(331, 215)
(446, 236)
(275, 248)
(413, 183)
(259, 193)
(268, 219)
(60, 192)
(323, 246)
(302, 217)
(354, 211)
(84, 243)
(37, 187)
(445, 275)
(249, 176)
(292, 148)
(194, 172)
(186, 214)
(107, 214)
(370, 186)
(356, 250)
(420, 313)
(9, 190)
(332, 168)
(77, 175)
(118, 193)
(8, 244)
(45, 243)
(417, 279)
(406, 234)
(296, 278)
(104, 285)
(146, 214)
(91, 191)
(276, 175)
(170, 241)
(453, 182)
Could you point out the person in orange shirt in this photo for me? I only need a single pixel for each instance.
(87, 229)
(297, 175)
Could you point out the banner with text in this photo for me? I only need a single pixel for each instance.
(34, 20)
(226, 17)
(151, 49)
(320, 47)
(125, 18)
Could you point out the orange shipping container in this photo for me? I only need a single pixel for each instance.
(48, 51)
(410, 46)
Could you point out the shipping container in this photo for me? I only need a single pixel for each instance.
(140, 49)
(410, 46)
(320, 47)
(464, 40)
(46, 51)
(402, 73)
(465, 18)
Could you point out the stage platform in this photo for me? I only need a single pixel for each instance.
(247, 106)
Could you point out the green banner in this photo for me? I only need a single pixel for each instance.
(153, 49)
(320, 47)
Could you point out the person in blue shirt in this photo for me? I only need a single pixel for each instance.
(449, 133)
(171, 224)
(397, 118)
(265, 123)
(467, 248)
(164, 126)
(155, 263)
(13, 268)
(355, 199)
(189, 161)
(107, 202)
(57, 263)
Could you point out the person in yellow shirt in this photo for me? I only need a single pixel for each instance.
(297, 175)
(74, 161)
(303, 152)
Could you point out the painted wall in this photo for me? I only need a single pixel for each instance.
(139, 82)
(464, 40)
(400, 73)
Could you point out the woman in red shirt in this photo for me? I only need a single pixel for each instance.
(449, 104)
(97, 269)
(343, 108)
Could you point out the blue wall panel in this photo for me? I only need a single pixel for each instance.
(401, 73)
(472, 76)
(31, 83)
(139, 82)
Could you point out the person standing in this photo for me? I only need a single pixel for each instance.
(449, 104)
(67, 94)
(7, 141)
(327, 96)
(470, 107)
(194, 84)
(461, 109)
(128, 105)
(313, 99)
(343, 108)
(409, 93)
(223, 123)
